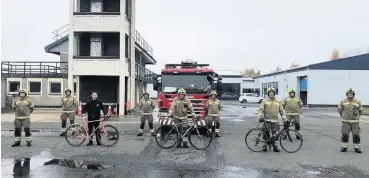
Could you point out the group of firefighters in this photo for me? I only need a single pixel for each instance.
(349, 109)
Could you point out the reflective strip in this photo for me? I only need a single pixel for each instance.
(284, 117)
(63, 129)
(152, 130)
(276, 142)
(351, 121)
(28, 138)
(147, 113)
(17, 139)
(292, 114)
(67, 111)
(213, 114)
(140, 130)
(26, 117)
(217, 130)
(356, 146)
(344, 145)
(272, 120)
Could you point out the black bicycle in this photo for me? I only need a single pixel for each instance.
(163, 136)
(263, 138)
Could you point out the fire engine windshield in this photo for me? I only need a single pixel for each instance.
(192, 83)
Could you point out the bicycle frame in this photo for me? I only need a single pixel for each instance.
(275, 137)
(85, 126)
(189, 130)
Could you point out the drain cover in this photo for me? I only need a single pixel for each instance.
(334, 171)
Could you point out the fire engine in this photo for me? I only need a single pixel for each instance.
(197, 79)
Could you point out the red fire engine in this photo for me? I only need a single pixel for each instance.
(197, 79)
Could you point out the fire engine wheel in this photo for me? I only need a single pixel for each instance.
(166, 136)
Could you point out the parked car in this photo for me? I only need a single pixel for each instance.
(229, 96)
(250, 97)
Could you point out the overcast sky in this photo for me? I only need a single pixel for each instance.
(230, 36)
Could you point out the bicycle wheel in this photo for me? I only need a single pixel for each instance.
(255, 138)
(75, 135)
(109, 135)
(290, 138)
(164, 134)
(198, 140)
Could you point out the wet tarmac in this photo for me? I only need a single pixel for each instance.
(63, 168)
(227, 157)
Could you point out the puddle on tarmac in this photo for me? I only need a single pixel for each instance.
(39, 166)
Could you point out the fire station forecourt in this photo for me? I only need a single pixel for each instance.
(228, 156)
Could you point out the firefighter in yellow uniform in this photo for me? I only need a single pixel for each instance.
(69, 105)
(147, 106)
(350, 110)
(23, 108)
(268, 113)
(213, 106)
(179, 110)
(292, 105)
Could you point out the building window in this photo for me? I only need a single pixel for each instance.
(35, 87)
(55, 88)
(14, 87)
(75, 87)
(127, 48)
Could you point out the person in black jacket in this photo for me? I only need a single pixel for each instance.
(93, 108)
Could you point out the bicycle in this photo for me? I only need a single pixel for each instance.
(264, 139)
(172, 135)
(80, 131)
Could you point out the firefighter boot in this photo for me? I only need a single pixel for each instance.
(185, 145)
(344, 142)
(89, 143)
(265, 148)
(343, 149)
(217, 126)
(275, 148)
(179, 142)
(139, 134)
(297, 127)
(63, 129)
(29, 143)
(356, 143)
(16, 143)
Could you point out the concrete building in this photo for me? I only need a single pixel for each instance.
(100, 50)
(322, 84)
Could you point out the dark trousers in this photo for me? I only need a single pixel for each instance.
(91, 127)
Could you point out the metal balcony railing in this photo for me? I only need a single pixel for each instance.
(55, 70)
(34, 69)
(143, 73)
(63, 31)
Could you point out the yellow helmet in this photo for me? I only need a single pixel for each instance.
(350, 90)
(213, 92)
(145, 93)
(181, 91)
(270, 89)
(67, 89)
(291, 90)
(23, 91)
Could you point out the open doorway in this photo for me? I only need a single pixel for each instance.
(125, 95)
(303, 89)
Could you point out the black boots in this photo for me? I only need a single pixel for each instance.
(89, 143)
(343, 149)
(217, 135)
(17, 143)
(62, 134)
(185, 145)
(275, 148)
(139, 134)
(358, 150)
(153, 134)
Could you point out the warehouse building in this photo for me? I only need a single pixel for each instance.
(321, 84)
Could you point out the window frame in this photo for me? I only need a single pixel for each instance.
(29, 86)
(49, 87)
(8, 81)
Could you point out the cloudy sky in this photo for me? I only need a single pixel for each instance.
(230, 36)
